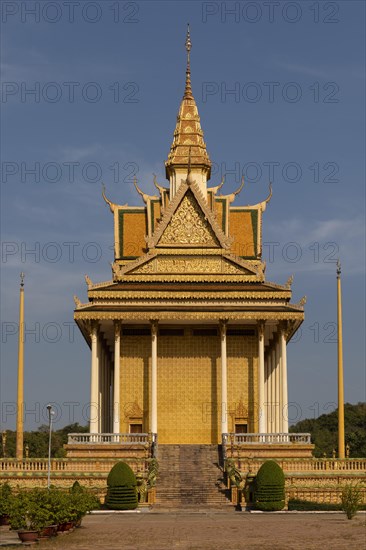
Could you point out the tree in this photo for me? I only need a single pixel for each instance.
(324, 431)
(37, 440)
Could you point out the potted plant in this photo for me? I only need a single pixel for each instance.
(5, 503)
(30, 513)
(65, 513)
(82, 502)
(21, 518)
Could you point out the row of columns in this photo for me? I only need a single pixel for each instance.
(102, 386)
(273, 393)
(272, 382)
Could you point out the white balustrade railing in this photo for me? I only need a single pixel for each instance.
(110, 439)
(271, 438)
(66, 465)
(91, 465)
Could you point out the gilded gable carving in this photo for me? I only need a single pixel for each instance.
(188, 226)
(197, 264)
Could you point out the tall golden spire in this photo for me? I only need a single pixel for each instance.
(188, 134)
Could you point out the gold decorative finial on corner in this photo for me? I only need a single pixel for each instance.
(145, 197)
(188, 89)
(111, 204)
(160, 188)
(302, 301)
(88, 281)
(77, 301)
(240, 188)
(289, 282)
(270, 193)
(232, 196)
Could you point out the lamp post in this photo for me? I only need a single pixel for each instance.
(50, 413)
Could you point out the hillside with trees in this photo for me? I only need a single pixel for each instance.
(324, 431)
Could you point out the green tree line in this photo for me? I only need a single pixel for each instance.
(36, 442)
(324, 431)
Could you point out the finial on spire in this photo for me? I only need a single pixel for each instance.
(22, 275)
(188, 42)
(188, 89)
(339, 270)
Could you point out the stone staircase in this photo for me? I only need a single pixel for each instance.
(190, 476)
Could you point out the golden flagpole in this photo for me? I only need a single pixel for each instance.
(340, 367)
(20, 396)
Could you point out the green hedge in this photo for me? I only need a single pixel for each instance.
(121, 498)
(269, 492)
(122, 491)
(121, 475)
(308, 505)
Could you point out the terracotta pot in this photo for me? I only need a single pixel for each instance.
(4, 520)
(29, 537)
(78, 522)
(47, 532)
(66, 526)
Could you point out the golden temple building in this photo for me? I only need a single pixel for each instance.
(188, 339)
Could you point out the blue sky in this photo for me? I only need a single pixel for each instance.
(108, 79)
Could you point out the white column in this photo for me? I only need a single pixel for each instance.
(100, 382)
(284, 410)
(224, 426)
(277, 382)
(273, 388)
(116, 380)
(269, 390)
(154, 377)
(107, 393)
(101, 387)
(261, 398)
(94, 383)
(266, 393)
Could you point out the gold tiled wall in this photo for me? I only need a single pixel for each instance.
(189, 384)
(242, 381)
(242, 232)
(135, 369)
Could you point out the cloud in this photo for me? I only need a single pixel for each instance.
(315, 246)
(305, 70)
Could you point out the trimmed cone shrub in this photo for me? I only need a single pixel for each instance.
(122, 492)
(270, 487)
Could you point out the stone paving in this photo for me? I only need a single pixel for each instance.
(211, 530)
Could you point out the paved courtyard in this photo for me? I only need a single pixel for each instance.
(213, 530)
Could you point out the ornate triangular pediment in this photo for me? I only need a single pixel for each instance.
(188, 226)
(188, 222)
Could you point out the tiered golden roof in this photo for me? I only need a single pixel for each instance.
(188, 135)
